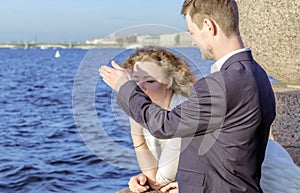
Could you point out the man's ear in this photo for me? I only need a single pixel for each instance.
(210, 26)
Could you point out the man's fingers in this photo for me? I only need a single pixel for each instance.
(108, 82)
(106, 74)
(172, 186)
(116, 65)
(114, 77)
(173, 191)
(105, 69)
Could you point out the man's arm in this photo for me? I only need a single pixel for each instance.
(202, 113)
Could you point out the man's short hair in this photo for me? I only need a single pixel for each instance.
(223, 12)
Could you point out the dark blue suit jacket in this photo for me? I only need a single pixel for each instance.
(224, 124)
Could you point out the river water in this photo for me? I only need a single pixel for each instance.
(61, 130)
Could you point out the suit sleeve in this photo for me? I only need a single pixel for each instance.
(202, 113)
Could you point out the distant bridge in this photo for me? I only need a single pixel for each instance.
(27, 45)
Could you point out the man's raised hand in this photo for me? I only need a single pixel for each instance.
(115, 77)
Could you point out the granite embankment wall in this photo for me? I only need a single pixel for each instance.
(271, 28)
(286, 126)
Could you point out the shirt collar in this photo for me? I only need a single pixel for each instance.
(219, 63)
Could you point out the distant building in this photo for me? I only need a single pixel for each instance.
(169, 39)
(128, 40)
(185, 39)
(104, 42)
(135, 40)
(148, 40)
(110, 43)
(94, 41)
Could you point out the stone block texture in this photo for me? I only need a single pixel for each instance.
(271, 28)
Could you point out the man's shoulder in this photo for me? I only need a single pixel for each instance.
(211, 83)
(244, 56)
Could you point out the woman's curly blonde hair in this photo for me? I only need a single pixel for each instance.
(173, 66)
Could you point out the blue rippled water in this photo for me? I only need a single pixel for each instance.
(42, 148)
(61, 130)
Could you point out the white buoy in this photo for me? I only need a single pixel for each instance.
(57, 54)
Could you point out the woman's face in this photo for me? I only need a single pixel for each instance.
(151, 79)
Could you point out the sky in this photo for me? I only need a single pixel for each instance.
(79, 20)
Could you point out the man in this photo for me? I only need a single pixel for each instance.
(225, 122)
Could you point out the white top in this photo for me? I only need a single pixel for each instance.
(219, 63)
(166, 151)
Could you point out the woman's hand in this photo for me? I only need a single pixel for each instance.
(141, 183)
(138, 183)
(154, 185)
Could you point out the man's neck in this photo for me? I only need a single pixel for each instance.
(227, 45)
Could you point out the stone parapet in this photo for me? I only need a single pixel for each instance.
(286, 126)
(271, 28)
(126, 190)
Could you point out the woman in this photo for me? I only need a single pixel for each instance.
(167, 80)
